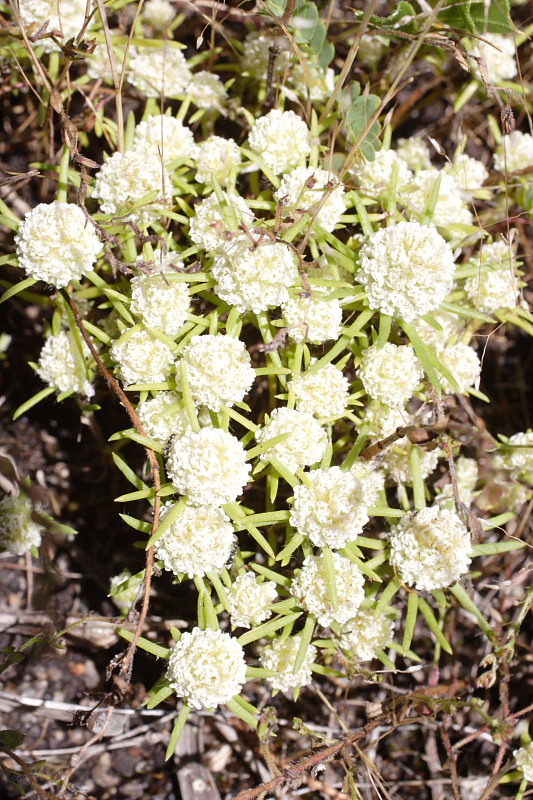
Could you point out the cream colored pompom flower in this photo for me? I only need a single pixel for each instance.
(450, 208)
(62, 365)
(206, 90)
(18, 531)
(463, 363)
(206, 668)
(158, 13)
(515, 152)
(499, 56)
(280, 657)
(217, 157)
(159, 71)
(323, 393)
(208, 467)
(56, 243)
(375, 178)
(67, 16)
(254, 278)
(430, 548)
(306, 440)
(142, 358)
(390, 373)
(315, 319)
(407, 270)
(213, 224)
(281, 139)
(331, 510)
(160, 302)
(304, 188)
(524, 761)
(497, 288)
(366, 634)
(166, 137)
(201, 540)
(249, 600)
(126, 178)
(219, 370)
(163, 416)
(311, 589)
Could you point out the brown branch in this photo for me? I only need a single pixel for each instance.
(29, 775)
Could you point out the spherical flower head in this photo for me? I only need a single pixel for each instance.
(208, 467)
(166, 137)
(430, 548)
(499, 56)
(201, 540)
(375, 178)
(323, 393)
(280, 657)
(366, 634)
(467, 473)
(390, 373)
(309, 81)
(331, 511)
(62, 365)
(249, 601)
(311, 589)
(142, 358)
(314, 319)
(219, 370)
(450, 208)
(372, 480)
(463, 363)
(407, 270)
(371, 48)
(158, 13)
(304, 188)
(98, 63)
(18, 531)
(515, 152)
(159, 71)
(490, 291)
(383, 420)
(67, 17)
(206, 668)
(256, 54)
(306, 441)
(218, 157)
(206, 90)
(55, 243)
(160, 302)
(162, 416)
(517, 456)
(415, 152)
(524, 761)
(128, 177)
(398, 465)
(254, 278)
(469, 173)
(125, 599)
(450, 326)
(213, 224)
(281, 139)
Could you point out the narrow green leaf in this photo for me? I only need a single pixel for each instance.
(238, 705)
(267, 628)
(495, 548)
(127, 471)
(306, 636)
(160, 696)
(410, 620)
(433, 625)
(468, 604)
(17, 288)
(33, 401)
(150, 647)
(177, 730)
(169, 519)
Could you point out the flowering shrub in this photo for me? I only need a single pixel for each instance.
(282, 324)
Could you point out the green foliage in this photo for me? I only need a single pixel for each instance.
(478, 17)
(357, 117)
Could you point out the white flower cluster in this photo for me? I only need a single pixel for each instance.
(467, 473)
(165, 136)
(390, 373)
(280, 657)
(254, 278)
(375, 178)
(160, 302)
(450, 208)
(199, 541)
(469, 173)
(217, 157)
(331, 511)
(141, 357)
(323, 393)
(372, 480)
(524, 761)
(315, 319)
(281, 139)
(463, 363)
(63, 366)
(407, 270)
(305, 187)
(126, 178)
(497, 288)
(159, 72)
(18, 531)
(430, 548)
(206, 90)
(498, 53)
(56, 243)
(206, 668)
(256, 54)
(517, 456)
(162, 416)
(212, 226)
(311, 589)
(65, 17)
(305, 443)
(383, 420)
(397, 461)
(515, 152)
(219, 370)
(208, 467)
(249, 600)
(366, 634)
(415, 152)
(158, 13)
(308, 80)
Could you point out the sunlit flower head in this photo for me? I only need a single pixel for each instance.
(159, 71)
(214, 225)
(305, 187)
(280, 657)
(323, 393)
(390, 373)
(463, 363)
(64, 16)
(310, 587)
(18, 531)
(206, 90)
(158, 13)
(524, 761)
(315, 319)
(217, 157)
(450, 208)
(249, 600)
(142, 358)
(375, 178)
(166, 137)
(163, 416)
(160, 302)
(219, 370)
(126, 178)
(515, 152)
(281, 139)
(415, 152)
(62, 364)
(366, 634)
(305, 443)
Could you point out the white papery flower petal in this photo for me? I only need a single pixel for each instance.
(61, 365)
(390, 373)
(18, 531)
(128, 177)
(323, 393)
(142, 358)
(311, 590)
(280, 657)
(249, 601)
(281, 138)
(305, 445)
(219, 370)
(158, 71)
